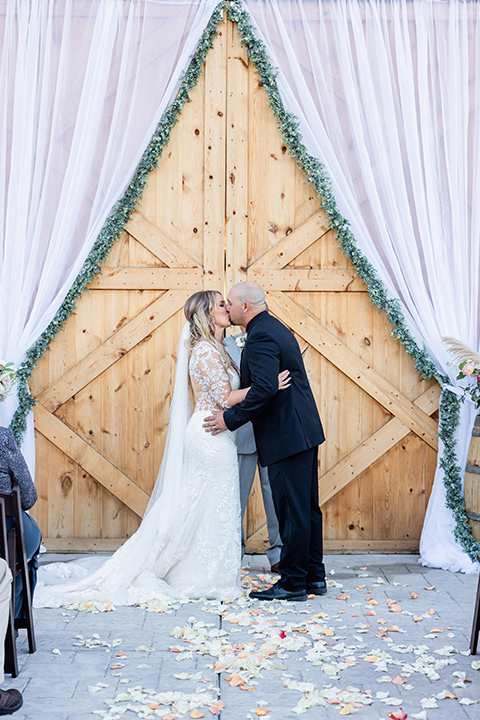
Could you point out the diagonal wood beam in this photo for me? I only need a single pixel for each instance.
(115, 347)
(307, 280)
(93, 462)
(383, 392)
(158, 243)
(257, 541)
(351, 466)
(148, 278)
(293, 244)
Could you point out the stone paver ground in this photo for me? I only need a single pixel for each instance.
(359, 646)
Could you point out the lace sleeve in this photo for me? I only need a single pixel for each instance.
(208, 370)
(18, 470)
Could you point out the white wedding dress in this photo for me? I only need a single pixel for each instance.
(188, 544)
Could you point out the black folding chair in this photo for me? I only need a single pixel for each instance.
(12, 549)
(476, 619)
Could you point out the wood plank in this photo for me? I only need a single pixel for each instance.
(112, 349)
(308, 280)
(236, 208)
(361, 547)
(353, 464)
(158, 243)
(357, 504)
(88, 494)
(259, 115)
(258, 542)
(104, 410)
(214, 187)
(185, 197)
(81, 545)
(148, 278)
(90, 460)
(293, 244)
(308, 327)
(355, 547)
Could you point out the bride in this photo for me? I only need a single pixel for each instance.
(188, 544)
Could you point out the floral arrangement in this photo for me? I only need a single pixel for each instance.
(240, 341)
(7, 379)
(468, 364)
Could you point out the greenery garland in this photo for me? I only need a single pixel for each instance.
(316, 173)
(450, 404)
(116, 222)
(318, 176)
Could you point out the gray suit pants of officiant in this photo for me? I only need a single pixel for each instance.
(247, 464)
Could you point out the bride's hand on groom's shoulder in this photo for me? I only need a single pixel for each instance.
(284, 380)
(215, 423)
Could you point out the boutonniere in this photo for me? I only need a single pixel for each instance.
(240, 341)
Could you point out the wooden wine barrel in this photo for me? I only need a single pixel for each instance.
(472, 481)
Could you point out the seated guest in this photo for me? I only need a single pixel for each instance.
(14, 471)
(10, 700)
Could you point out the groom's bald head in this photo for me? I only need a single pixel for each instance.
(245, 300)
(250, 292)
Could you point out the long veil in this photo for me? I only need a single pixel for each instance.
(180, 412)
(189, 546)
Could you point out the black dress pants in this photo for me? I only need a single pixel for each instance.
(294, 482)
(33, 538)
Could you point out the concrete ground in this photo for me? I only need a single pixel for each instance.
(389, 634)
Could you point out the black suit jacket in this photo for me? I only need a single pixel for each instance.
(284, 422)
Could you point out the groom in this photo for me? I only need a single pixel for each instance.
(287, 432)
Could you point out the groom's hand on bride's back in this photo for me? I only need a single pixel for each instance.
(215, 423)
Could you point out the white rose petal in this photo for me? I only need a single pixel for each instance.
(428, 703)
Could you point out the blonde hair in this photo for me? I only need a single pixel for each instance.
(198, 311)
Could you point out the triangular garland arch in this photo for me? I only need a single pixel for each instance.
(315, 172)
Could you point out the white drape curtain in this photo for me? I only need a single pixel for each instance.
(387, 93)
(83, 85)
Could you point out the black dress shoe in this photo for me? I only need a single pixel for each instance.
(278, 593)
(317, 588)
(10, 701)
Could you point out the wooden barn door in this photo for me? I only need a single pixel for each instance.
(105, 386)
(228, 203)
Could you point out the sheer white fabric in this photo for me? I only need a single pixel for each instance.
(387, 94)
(188, 544)
(84, 84)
